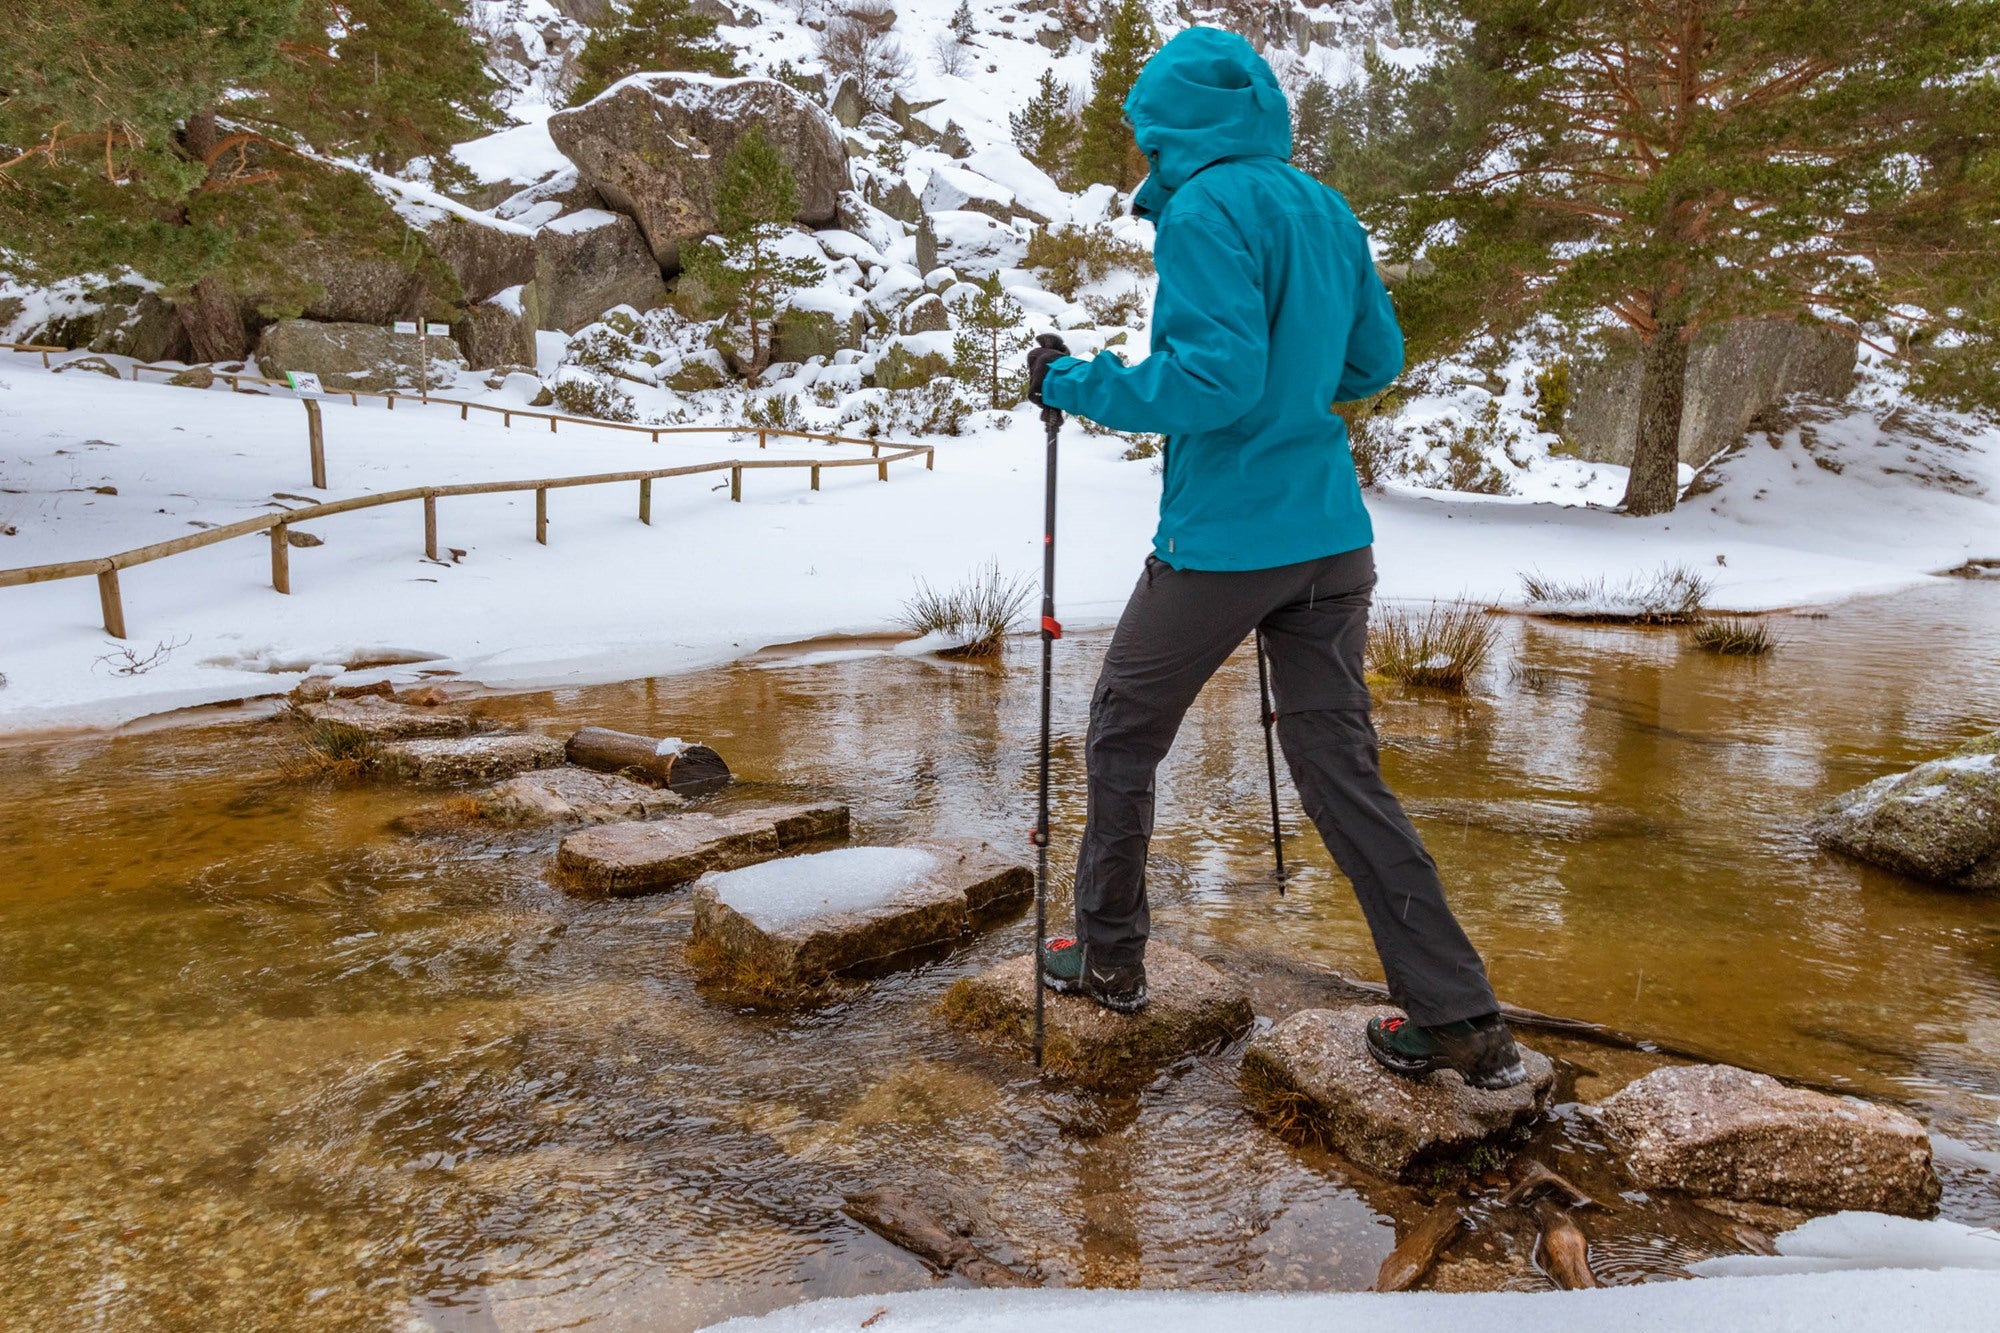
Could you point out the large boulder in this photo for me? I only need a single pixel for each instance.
(588, 262)
(1315, 1068)
(355, 356)
(1721, 1132)
(501, 331)
(484, 254)
(1939, 822)
(355, 287)
(1735, 371)
(653, 146)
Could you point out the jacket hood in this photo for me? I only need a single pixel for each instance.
(1203, 97)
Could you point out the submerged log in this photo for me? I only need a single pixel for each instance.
(906, 1224)
(1415, 1253)
(1565, 1249)
(679, 766)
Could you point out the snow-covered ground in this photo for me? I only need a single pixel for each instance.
(1936, 1302)
(1849, 510)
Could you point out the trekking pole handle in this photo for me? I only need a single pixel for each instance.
(1052, 417)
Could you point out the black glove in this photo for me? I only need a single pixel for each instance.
(1047, 349)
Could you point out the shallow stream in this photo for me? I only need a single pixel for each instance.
(265, 1061)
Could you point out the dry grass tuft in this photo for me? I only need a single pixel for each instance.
(1441, 648)
(1730, 636)
(979, 613)
(328, 750)
(1671, 595)
(738, 980)
(1285, 1111)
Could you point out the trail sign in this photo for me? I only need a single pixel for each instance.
(303, 382)
(437, 330)
(405, 326)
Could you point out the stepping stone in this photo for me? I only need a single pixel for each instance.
(467, 758)
(1194, 1007)
(788, 925)
(1314, 1070)
(1718, 1131)
(572, 796)
(376, 719)
(624, 860)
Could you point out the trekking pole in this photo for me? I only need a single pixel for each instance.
(1270, 758)
(1051, 631)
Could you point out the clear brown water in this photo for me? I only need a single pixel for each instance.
(265, 1062)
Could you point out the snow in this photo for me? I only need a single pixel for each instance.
(524, 153)
(584, 219)
(609, 599)
(1937, 1302)
(793, 890)
(1846, 1241)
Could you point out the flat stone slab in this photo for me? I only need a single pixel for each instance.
(571, 796)
(1939, 821)
(1315, 1066)
(624, 860)
(1719, 1131)
(1193, 1007)
(376, 719)
(791, 923)
(448, 759)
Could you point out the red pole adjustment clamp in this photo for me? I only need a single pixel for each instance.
(1051, 627)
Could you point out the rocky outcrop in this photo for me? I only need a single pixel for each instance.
(622, 860)
(485, 256)
(355, 288)
(587, 262)
(501, 331)
(653, 146)
(791, 924)
(355, 356)
(465, 759)
(1734, 372)
(376, 719)
(1315, 1066)
(1939, 821)
(1718, 1131)
(1193, 1007)
(571, 796)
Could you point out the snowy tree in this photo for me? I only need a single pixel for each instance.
(744, 271)
(1677, 164)
(963, 27)
(1312, 124)
(649, 35)
(858, 44)
(990, 324)
(1045, 129)
(1105, 151)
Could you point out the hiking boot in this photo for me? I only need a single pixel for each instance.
(1481, 1050)
(1066, 969)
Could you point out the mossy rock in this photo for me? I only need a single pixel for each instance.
(695, 377)
(800, 335)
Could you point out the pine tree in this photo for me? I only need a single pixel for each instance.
(1105, 151)
(1044, 129)
(990, 322)
(650, 35)
(743, 270)
(1312, 126)
(385, 81)
(963, 26)
(1672, 165)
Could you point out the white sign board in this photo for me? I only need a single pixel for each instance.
(406, 326)
(437, 330)
(303, 381)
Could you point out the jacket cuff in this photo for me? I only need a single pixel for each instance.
(1055, 381)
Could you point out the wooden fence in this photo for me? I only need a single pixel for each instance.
(106, 568)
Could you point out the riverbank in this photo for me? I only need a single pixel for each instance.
(91, 467)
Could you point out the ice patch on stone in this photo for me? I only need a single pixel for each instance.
(778, 894)
(672, 747)
(1865, 1240)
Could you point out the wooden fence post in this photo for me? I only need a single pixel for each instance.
(656, 437)
(507, 419)
(736, 483)
(542, 515)
(281, 558)
(646, 501)
(552, 425)
(882, 471)
(316, 441)
(465, 411)
(760, 438)
(815, 476)
(431, 525)
(110, 600)
(390, 398)
(930, 460)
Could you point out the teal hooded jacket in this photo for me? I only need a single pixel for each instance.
(1269, 311)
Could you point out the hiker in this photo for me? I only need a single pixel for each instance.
(1269, 311)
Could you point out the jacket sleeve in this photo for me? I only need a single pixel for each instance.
(1211, 341)
(1374, 343)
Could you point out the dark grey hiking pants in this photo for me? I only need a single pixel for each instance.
(1176, 632)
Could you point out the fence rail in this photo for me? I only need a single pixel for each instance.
(278, 525)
